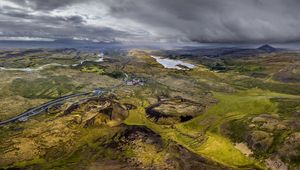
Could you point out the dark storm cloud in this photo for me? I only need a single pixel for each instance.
(45, 4)
(75, 19)
(215, 20)
(24, 22)
(196, 20)
(38, 30)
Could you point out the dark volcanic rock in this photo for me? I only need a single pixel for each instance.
(187, 160)
(142, 133)
(98, 111)
(173, 156)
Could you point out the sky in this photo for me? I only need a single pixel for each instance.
(205, 21)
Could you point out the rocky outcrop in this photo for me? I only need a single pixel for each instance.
(174, 110)
(99, 111)
(260, 140)
(148, 151)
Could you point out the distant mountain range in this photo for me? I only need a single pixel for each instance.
(209, 50)
(267, 48)
(62, 43)
(223, 51)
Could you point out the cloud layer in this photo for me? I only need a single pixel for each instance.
(153, 20)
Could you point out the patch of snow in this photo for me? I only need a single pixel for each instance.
(243, 148)
(101, 55)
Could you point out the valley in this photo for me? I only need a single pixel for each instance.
(150, 109)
